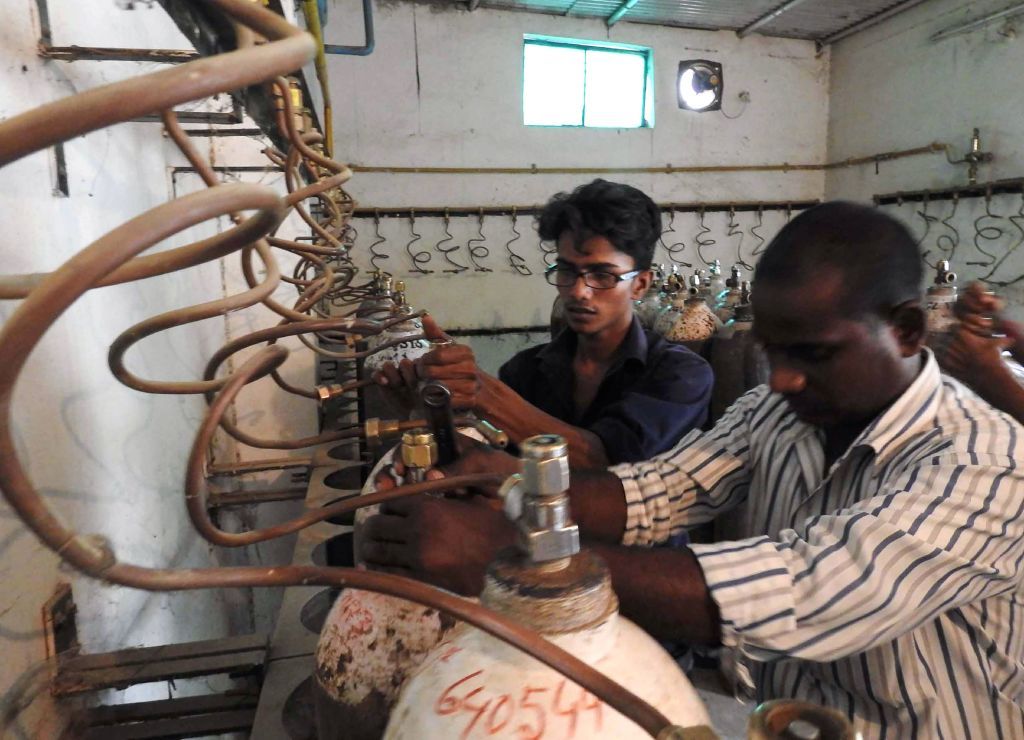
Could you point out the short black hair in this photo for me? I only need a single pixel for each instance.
(876, 254)
(620, 213)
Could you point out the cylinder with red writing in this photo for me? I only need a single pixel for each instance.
(473, 686)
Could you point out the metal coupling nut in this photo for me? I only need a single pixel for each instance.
(545, 545)
(419, 450)
(546, 477)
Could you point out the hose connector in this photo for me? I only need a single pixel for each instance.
(418, 452)
(376, 430)
(540, 498)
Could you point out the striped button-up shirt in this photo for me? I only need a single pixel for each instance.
(888, 586)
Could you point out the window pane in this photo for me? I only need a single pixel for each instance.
(615, 89)
(552, 86)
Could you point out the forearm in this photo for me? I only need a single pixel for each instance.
(510, 412)
(598, 504)
(664, 592)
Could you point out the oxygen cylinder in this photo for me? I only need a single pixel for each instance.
(689, 319)
(411, 345)
(732, 296)
(648, 307)
(714, 283)
(475, 686)
(939, 303)
(379, 304)
(370, 642)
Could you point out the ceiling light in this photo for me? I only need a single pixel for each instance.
(699, 85)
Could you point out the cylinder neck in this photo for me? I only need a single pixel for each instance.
(576, 597)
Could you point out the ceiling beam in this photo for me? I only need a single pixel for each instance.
(620, 11)
(842, 33)
(768, 17)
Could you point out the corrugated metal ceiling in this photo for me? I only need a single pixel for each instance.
(803, 19)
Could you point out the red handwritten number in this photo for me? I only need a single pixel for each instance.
(476, 709)
(448, 704)
(572, 711)
(526, 732)
(592, 704)
(493, 727)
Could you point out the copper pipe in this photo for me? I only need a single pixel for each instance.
(55, 292)
(196, 491)
(64, 119)
(93, 555)
(667, 169)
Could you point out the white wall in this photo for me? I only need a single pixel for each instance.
(444, 88)
(893, 88)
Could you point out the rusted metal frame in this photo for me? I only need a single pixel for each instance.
(259, 466)
(234, 116)
(114, 54)
(98, 53)
(165, 709)
(201, 725)
(980, 190)
(203, 133)
(507, 210)
(123, 668)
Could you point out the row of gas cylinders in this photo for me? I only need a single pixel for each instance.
(688, 309)
(680, 308)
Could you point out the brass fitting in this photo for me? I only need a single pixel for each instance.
(375, 430)
(326, 392)
(495, 437)
(419, 450)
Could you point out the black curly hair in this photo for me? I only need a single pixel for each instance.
(620, 213)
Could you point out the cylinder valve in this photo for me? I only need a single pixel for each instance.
(536, 500)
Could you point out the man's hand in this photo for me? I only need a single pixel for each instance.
(974, 356)
(455, 366)
(976, 300)
(405, 374)
(446, 542)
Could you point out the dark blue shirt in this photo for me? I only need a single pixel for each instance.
(653, 393)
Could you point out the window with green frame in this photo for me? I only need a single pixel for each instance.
(569, 82)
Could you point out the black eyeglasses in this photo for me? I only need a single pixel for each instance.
(566, 277)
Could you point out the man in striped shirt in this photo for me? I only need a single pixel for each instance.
(883, 509)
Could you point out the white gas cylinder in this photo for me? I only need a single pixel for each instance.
(474, 686)
(940, 300)
(411, 344)
(369, 644)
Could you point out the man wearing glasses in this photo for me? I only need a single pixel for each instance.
(616, 392)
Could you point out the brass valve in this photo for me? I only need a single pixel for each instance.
(418, 452)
